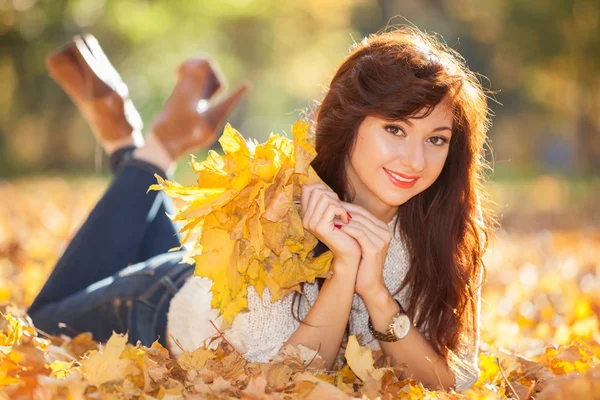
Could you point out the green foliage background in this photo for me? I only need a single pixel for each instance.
(541, 59)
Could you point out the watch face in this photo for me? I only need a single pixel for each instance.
(401, 326)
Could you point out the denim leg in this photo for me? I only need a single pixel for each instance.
(134, 300)
(111, 237)
(160, 231)
(119, 156)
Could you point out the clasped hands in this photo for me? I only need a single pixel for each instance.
(353, 234)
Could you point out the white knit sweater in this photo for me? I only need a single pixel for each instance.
(190, 312)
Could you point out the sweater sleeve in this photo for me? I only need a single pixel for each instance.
(190, 315)
(258, 334)
(267, 325)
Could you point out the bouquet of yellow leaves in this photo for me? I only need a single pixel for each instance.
(241, 220)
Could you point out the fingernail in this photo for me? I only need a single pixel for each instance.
(338, 226)
(349, 216)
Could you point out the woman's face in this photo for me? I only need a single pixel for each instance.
(415, 149)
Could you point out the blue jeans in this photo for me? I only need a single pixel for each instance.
(116, 273)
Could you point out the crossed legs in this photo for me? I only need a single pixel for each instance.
(128, 225)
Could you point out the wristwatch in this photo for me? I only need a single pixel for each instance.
(398, 328)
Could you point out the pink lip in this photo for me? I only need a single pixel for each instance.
(402, 175)
(400, 184)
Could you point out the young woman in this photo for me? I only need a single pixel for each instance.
(399, 136)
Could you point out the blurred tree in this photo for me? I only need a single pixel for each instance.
(547, 53)
(286, 49)
(541, 55)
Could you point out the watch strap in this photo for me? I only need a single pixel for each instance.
(388, 335)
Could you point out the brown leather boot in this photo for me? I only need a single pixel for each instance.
(84, 72)
(188, 121)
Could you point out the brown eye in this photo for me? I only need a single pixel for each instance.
(440, 141)
(394, 129)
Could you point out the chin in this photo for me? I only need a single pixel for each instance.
(398, 203)
(394, 201)
(400, 196)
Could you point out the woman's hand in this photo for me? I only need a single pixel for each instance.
(321, 209)
(374, 238)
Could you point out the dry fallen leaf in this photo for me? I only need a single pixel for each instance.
(540, 301)
(360, 360)
(241, 221)
(196, 359)
(106, 365)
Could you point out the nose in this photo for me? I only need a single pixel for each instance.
(414, 156)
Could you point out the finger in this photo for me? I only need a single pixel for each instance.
(217, 114)
(356, 209)
(364, 224)
(316, 193)
(312, 199)
(373, 227)
(330, 214)
(307, 192)
(362, 236)
(304, 197)
(345, 217)
(319, 215)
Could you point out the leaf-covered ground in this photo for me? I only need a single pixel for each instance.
(540, 334)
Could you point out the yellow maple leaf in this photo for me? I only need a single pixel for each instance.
(360, 360)
(575, 357)
(242, 220)
(196, 359)
(13, 332)
(4, 295)
(61, 369)
(489, 368)
(304, 148)
(105, 366)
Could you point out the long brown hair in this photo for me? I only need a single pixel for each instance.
(396, 75)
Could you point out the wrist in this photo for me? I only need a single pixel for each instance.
(340, 282)
(347, 267)
(376, 294)
(381, 309)
(347, 259)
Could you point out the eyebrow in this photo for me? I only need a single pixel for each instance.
(441, 128)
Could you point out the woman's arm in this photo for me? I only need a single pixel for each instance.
(329, 314)
(461, 370)
(414, 350)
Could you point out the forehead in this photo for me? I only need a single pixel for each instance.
(440, 115)
(441, 112)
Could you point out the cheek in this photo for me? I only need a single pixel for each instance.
(440, 160)
(368, 157)
(436, 164)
